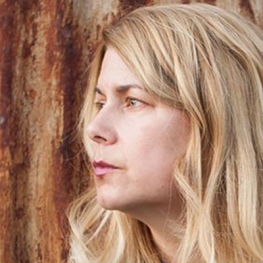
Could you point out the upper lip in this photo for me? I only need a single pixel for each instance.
(103, 164)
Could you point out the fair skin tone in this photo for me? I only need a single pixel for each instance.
(135, 141)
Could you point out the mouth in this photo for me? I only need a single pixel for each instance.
(101, 168)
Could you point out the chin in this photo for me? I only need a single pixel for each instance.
(108, 202)
(114, 203)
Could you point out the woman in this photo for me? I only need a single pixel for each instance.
(173, 126)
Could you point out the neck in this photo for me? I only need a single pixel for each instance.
(163, 221)
(166, 244)
(163, 226)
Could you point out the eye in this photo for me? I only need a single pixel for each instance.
(99, 104)
(132, 102)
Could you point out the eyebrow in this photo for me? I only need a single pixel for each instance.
(119, 89)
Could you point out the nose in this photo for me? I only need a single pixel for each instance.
(101, 130)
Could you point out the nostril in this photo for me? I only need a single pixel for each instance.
(96, 133)
(99, 139)
(101, 130)
(92, 132)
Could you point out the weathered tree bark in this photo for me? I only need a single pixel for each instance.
(45, 47)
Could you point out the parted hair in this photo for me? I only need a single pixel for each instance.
(208, 63)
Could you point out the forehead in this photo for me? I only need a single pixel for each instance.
(114, 71)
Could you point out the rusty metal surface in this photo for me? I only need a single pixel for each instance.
(45, 46)
(39, 104)
(6, 75)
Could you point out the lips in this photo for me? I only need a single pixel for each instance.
(101, 168)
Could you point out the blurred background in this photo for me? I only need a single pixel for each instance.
(45, 49)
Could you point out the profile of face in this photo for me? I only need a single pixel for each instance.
(135, 141)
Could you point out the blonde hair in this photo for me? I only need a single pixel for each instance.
(209, 63)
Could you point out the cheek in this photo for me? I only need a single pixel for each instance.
(155, 145)
(152, 155)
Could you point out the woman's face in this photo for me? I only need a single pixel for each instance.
(135, 141)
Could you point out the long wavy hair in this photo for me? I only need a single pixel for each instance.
(209, 63)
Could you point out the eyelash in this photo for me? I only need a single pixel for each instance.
(129, 100)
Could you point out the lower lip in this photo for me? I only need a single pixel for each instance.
(101, 171)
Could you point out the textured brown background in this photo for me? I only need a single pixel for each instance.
(45, 47)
